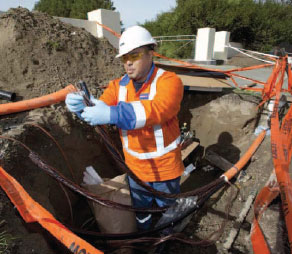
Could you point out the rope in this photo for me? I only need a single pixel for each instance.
(241, 51)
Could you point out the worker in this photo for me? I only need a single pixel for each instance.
(143, 104)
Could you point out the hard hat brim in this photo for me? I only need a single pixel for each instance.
(121, 54)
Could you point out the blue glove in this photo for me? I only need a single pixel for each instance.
(74, 102)
(98, 114)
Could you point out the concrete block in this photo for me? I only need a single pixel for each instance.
(90, 27)
(205, 44)
(110, 19)
(221, 40)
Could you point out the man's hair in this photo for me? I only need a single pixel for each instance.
(150, 46)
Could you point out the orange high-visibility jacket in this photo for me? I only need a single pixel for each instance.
(148, 123)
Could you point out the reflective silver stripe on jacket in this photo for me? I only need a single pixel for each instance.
(145, 219)
(140, 122)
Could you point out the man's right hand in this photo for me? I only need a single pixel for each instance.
(74, 102)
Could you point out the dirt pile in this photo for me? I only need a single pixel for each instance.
(40, 54)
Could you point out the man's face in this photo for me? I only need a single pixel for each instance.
(137, 63)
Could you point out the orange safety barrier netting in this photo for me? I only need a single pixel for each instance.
(31, 211)
(264, 198)
(281, 144)
(193, 66)
(109, 29)
(281, 140)
(227, 72)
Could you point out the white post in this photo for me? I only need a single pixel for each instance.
(110, 19)
(221, 40)
(205, 44)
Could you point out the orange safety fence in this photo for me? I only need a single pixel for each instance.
(264, 198)
(281, 146)
(13, 107)
(289, 79)
(271, 82)
(193, 66)
(281, 139)
(31, 211)
(109, 29)
(227, 72)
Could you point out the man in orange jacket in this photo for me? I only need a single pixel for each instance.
(144, 105)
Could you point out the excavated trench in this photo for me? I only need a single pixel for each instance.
(223, 122)
(36, 62)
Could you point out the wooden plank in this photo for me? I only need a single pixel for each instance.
(218, 161)
(198, 79)
(182, 69)
(185, 153)
(203, 82)
(174, 68)
(203, 89)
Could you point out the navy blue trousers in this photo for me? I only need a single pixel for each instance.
(141, 198)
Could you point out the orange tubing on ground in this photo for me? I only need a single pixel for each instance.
(245, 158)
(39, 102)
(268, 193)
(31, 211)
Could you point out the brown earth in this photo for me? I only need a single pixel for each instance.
(39, 55)
(225, 123)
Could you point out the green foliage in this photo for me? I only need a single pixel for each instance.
(54, 45)
(72, 8)
(258, 24)
(6, 240)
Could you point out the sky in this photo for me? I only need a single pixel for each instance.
(131, 11)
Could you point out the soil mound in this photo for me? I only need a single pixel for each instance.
(40, 54)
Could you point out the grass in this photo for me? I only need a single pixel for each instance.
(243, 91)
(6, 240)
(54, 45)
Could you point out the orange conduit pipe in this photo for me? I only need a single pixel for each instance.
(39, 102)
(245, 158)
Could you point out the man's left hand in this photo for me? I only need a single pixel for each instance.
(98, 114)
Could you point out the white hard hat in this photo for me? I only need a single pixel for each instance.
(134, 37)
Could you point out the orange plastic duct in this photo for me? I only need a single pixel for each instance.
(39, 102)
(245, 158)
